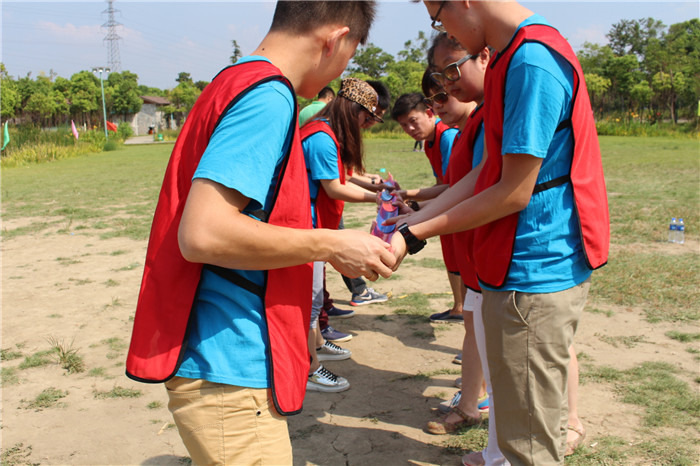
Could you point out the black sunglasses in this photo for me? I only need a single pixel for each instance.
(437, 24)
(440, 97)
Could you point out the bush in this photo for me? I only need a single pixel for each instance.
(110, 145)
(124, 130)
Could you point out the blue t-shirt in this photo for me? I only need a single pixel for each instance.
(321, 156)
(228, 340)
(548, 255)
(446, 141)
(478, 151)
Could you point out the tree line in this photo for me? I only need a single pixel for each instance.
(646, 72)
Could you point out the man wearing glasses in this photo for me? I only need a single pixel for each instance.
(539, 214)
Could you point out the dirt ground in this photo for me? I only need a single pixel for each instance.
(75, 287)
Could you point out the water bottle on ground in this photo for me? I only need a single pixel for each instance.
(680, 232)
(672, 229)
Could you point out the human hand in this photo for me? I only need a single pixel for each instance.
(398, 247)
(399, 219)
(357, 253)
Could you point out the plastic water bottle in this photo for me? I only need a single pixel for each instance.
(680, 232)
(386, 210)
(672, 229)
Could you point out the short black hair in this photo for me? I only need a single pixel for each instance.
(406, 103)
(326, 92)
(428, 84)
(383, 94)
(442, 39)
(298, 17)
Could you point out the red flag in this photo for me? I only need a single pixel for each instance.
(74, 129)
(111, 126)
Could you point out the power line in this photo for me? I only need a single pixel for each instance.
(112, 38)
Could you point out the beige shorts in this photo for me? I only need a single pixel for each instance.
(226, 424)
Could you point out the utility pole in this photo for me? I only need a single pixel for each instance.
(112, 38)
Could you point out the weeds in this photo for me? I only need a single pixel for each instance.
(668, 401)
(154, 405)
(17, 454)
(48, 398)
(683, 337)
(117, 392)
(7, 354)
(67, 356)
(628, 341)
(8, 375)
(38, 359)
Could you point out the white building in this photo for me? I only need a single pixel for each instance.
(151, 117)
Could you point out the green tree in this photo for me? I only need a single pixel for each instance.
(632, 36)
(124, 95)
(61, 95)
(184, 78)
(371, 61)
(183, 97)
(85, 96)
(41, 105)
(236, 54)
(597, 87)
(147, 90)
(201, 85)
(416, 51)
(641, 94)
(9, 95)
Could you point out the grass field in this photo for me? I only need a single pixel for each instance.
(649, 180)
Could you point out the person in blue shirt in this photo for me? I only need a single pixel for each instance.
(531, 319)
(332, 143)
(220, 397)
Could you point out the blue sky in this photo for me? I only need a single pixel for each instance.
(160, 39)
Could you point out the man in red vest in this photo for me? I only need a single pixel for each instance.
(223, 313)
(539, 213)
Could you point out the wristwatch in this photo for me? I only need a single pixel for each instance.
(413, 244)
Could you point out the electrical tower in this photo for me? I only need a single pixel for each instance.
(112, 38)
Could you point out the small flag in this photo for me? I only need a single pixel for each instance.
(111, 126)
(5, 137)
(74, 129)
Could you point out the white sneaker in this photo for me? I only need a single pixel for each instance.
(332, 352)
(324, 380)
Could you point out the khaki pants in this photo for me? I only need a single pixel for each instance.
(527, 344)
(225, 424)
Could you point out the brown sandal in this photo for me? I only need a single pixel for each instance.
(442, 427)
(574, 444)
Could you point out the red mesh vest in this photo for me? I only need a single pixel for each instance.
(328, 211)
(460, 164)
(169, 283)
(494, 242)
(432, 151)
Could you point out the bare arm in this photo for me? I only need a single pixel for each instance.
(423, 194)
(213, 230)
(510, 195)
(347, 192)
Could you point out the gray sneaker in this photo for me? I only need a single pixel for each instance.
(324, 380)
(369, 296)
(332, 352)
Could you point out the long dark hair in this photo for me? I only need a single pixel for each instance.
(342, 114)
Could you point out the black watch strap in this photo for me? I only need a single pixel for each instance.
(413, 244)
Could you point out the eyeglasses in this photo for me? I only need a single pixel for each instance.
(451, 71)
(440, 97)
(437, 24)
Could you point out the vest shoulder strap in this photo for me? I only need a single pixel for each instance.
(237, 279)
